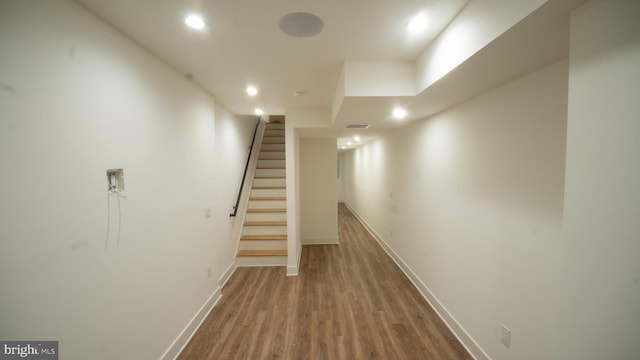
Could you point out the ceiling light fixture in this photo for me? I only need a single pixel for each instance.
(252, 91)
(418, 23)
(356, 138)
(195, 21)
(399, 113)
(349, 143)
(258, 111)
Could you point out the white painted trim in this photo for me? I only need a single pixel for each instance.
(227, 273)
(458, 331)
(187, 333)
(294, 270)
(326, 240)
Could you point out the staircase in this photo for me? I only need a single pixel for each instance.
(263, 241)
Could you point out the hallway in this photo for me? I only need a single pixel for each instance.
(350, 301)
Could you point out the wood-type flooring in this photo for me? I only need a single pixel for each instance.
(350, 301)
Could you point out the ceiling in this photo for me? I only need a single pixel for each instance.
(243, 45)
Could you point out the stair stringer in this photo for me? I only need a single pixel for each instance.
(238, 220)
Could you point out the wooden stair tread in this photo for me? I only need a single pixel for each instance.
(269, 177)
(264, 237)
(272, 168)
(266, 210)
(265, 223)
(267, 150)
(269, 187)
(271, 198)
(262, 253)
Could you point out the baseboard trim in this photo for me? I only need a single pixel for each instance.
(458, 331)
(326, 240)
(187, 333)
(294, 270)
(227, 273)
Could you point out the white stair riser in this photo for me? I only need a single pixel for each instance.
(272, 155)
(267, 204)
(273, 147)
(269, 182)
(271, 173)
(264, 230)
(246, 261)
(268, 193)
(279, 216)
(274, 132)
(263, 245)
(271, 164)
(273, 140)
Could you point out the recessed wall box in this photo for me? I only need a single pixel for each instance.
(115, 179)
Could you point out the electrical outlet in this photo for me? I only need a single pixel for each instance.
(505, 336)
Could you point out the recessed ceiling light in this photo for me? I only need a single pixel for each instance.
(356, 138)
(349, 143)
(258, 111)
(399, 113)
(418, 23)
(195, 21)
(252, 91)
(344, 147)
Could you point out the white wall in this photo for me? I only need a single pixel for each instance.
(479, 23)
(601, 245)
(339, 182)
(470, 202)
(319, 192)
(379, 78)
(78, 98)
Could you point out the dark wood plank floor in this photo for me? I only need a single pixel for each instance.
(350, 301)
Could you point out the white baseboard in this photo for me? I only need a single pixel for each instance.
(227, 274)
(187, 333)
(327, 240)
(293, 270)
(458, 331)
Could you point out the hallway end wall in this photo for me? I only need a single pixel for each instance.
(319, 192)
